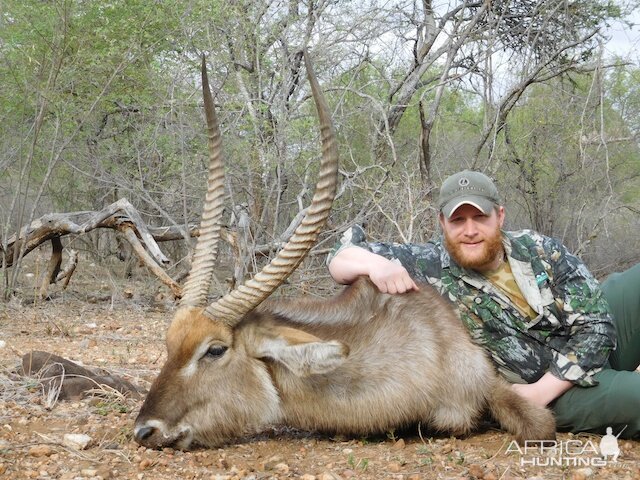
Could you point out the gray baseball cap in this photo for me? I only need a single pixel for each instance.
(467, 187)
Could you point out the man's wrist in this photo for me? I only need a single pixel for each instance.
(552, 387)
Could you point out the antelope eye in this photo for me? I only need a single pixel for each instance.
(215, 351)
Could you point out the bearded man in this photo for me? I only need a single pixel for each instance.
(542, 317)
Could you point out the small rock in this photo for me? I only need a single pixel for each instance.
(144, 464)
(3, 344)
(282, 468)
(399, 445)
(476, 471)
(329, 476)
(234, 470)
(104, 472)
(89, 472)
(394, 467)
(261, 466)
(79, 441)
(447, 448)
(347, 451)
(88, 343)
(40, 451)
(308, 476)
(582, 474)
(348, 473)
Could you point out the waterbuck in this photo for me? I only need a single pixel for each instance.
(359, 363)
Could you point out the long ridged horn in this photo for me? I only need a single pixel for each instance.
(233, 306)
(196, 288)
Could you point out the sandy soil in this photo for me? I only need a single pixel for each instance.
(125, 336)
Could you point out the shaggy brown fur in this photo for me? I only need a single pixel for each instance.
(358, 363)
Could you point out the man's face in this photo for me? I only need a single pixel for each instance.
(472, 238)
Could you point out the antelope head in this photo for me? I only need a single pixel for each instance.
(214, 385)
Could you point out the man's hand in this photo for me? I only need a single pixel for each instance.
(392, 278)
(544, 391)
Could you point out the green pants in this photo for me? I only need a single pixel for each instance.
(615, 401)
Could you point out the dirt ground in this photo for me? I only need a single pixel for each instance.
(124, 334)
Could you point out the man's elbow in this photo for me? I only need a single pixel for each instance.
(343, 267)
(338, 270)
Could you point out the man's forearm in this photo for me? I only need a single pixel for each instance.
(353, 262)
(388, 276)
(545, 390)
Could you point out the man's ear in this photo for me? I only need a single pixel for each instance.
(302, 353)
(441, 220)
(501, 215)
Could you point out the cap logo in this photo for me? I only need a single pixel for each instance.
(463, 182)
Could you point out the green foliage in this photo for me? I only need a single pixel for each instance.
(565, 153)
(70, 69)
(101, 100)
(358, 463)
(110, 407)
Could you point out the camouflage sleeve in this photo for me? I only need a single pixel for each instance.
(353, 237)
(587, 319)
(422, 261)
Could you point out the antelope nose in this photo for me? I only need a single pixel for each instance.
(143, 433)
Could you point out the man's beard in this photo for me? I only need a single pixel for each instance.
(480, 260)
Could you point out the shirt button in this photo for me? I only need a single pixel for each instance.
(478, 300)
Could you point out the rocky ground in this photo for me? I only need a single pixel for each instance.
(91, 438)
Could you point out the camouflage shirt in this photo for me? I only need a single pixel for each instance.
(572, 334)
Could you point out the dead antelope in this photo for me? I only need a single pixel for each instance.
(359, 363)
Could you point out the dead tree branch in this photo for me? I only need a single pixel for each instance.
(120, 216)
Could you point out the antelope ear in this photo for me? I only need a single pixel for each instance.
(302, 353)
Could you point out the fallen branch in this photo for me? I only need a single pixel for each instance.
(54, 273)
(117, 216)
(54, 266)
(146, 259)
(120, 216)
(68, 270)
